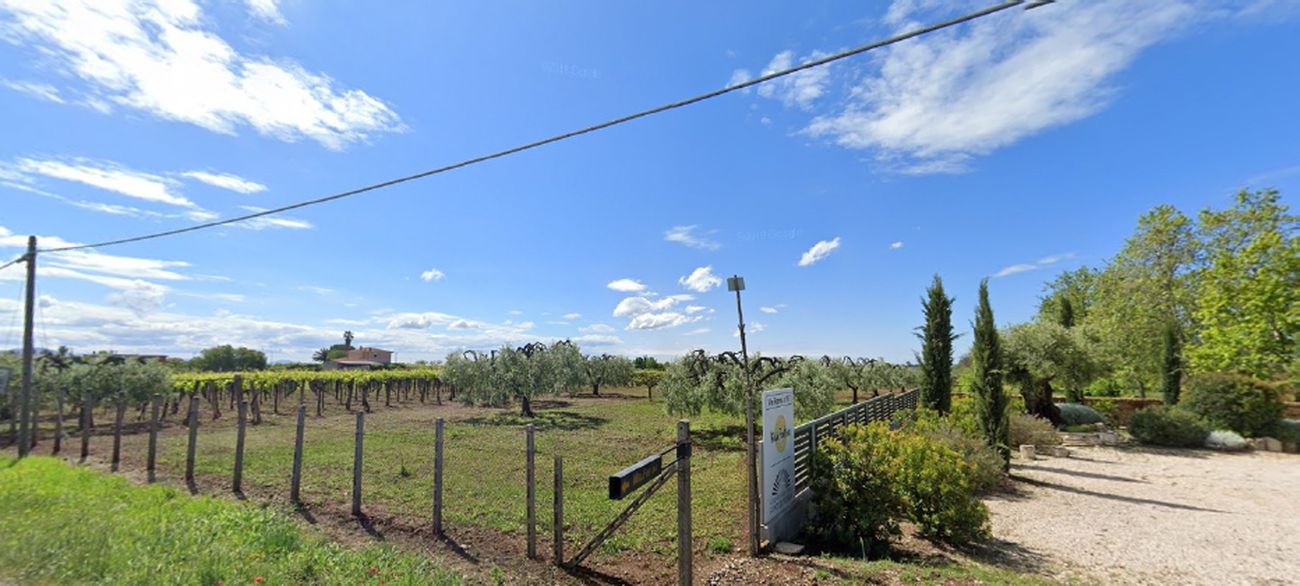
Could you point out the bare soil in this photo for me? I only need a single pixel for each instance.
(1151, 516)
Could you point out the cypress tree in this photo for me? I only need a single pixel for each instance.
(986, 365)
(1171, 365)
(1066, 315)
(936, 348)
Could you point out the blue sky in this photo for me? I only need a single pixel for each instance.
(1010, 148)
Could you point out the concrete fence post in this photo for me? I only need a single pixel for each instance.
(237, 482)
(532, 493)
(118, 414)
(151, 463)
(437, 477)
(558, 510)
(685, 551)
(295, 480)
(356, 464)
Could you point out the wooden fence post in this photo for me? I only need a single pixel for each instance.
(237, 483)
(58, 421)
(117, 434)
(356, 464)
(193, 443)
(558, 509)
(532, 494)
(437, 477)
(295, 481)
(685, 551)
(153, 438)
(87, 405)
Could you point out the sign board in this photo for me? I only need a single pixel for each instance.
(635, 476)
(778, 453)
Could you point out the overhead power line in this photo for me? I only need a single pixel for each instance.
(1028, 4)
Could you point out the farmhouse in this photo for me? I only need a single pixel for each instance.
(360, 359)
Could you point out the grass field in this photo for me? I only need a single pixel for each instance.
(484, 475)
(66, 525)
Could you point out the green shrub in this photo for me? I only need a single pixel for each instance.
(1228, 401)
(869, 478)
(1109, 411)
(1287, 430)
(937, 491)
(855, 492)
(1034, 431)
(959, 432)
(1162, 426)
(1076, 414)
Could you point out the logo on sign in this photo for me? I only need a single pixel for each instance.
(780, 434)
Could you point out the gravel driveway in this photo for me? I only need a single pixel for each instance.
(1144, 516)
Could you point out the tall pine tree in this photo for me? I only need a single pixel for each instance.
(986, 366)
(1171, 364)
(936, 348)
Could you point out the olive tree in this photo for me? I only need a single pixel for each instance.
(697, 382)
(608, 370)
(1038, 355)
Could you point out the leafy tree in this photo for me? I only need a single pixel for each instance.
(1171, 367)
(648, 363)
(986, 368)
(523, 373)
(1147, 285)
(1077, 289)
(936, 348)
(608, 370)
(322, 356)
(697, 382)
(347, 339)
(226, 358)
(865, 374)
(648, 378)
(1038, 355)
(569, 366)
(1248, 303)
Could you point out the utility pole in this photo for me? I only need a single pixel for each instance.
(737, 283)
(25, 428)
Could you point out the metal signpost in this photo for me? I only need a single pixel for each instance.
(737, 283)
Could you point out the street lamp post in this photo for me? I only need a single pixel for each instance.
(737, 283)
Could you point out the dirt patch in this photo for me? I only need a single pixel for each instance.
(1146, 516)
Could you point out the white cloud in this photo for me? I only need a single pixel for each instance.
(516, 312)
(316, 289)
(1026, 267)
(697, 309)
(597, 329)
(797, 89)
(419, 321)
(739, 76)
(819, 251)
(626, 286)
(266, 10)
(655, 321)
(896, 245)
(226, 181)
(647, 314)
(275, 221)
(42, 91)
(701, 280)
(161, 57)
(697, 331)
(436, 275)
(463, 324)
(687, 235)
(572, 316)
(631, 306)
(768, 309)
(750, 328)
(932, 103)
(525, 325)
(108, 176)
